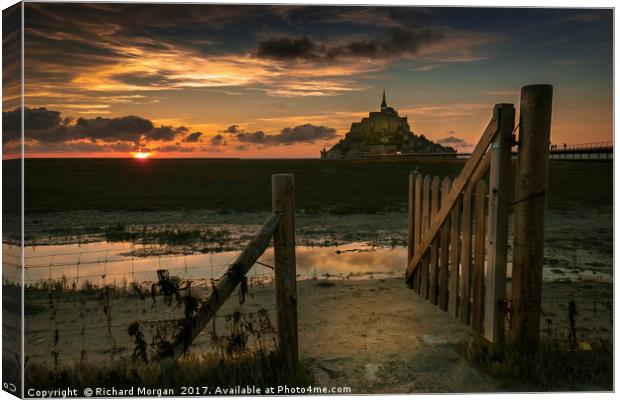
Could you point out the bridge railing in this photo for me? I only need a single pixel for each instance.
(556, 148)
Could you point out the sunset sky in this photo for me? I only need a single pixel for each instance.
(286, 81)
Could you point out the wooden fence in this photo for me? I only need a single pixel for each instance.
(281, 227)
(458, 230)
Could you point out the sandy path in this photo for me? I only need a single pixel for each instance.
(385, 339)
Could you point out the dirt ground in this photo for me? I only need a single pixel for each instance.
(375, 336)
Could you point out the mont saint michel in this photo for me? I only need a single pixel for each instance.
(382, 133)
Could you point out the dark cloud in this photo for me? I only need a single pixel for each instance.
(130, 128)
(307, 133)
(232, 129)
(453, 141)
(35, 119)
(48, 126)
(173, 148)
(450, 140)
(193, 137)
(285, 48)
(395, 42)
(218, 140)
(165, 132)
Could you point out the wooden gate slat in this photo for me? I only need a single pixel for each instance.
(466, 257)
(426, 219)
(411, 220)
(479, 253)
(455, 248)
(418, 224)
(434, 271)
(444, 248)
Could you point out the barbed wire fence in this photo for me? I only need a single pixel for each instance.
(108, 314)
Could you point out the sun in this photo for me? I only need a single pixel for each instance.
(141, 155)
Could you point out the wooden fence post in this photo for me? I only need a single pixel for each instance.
(283, 203)
(497, 232)
(530, 210)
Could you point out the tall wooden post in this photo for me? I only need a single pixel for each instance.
(497, 231)
(283, 203)
(530, 210)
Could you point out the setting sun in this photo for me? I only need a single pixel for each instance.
(141, 155)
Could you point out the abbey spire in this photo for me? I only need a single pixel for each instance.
(384, 103)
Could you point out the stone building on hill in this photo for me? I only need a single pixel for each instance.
(382, 133)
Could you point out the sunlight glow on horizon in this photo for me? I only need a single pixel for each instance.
(141, 155)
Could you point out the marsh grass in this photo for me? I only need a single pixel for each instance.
(561, 362)
(257, 368)
(242, 355)
(174, 237)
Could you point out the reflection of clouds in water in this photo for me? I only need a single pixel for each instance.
(325, 260)
(111, 262)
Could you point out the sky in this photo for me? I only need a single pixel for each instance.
(113, 80)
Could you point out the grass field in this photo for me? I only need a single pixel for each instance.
(340, 187)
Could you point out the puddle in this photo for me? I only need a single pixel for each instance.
(116, 263)
(123, 262)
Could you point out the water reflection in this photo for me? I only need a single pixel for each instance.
(104, 262)
(123, 262)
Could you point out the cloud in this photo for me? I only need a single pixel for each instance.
(395, 42)
(110, 51)
(39, 119)
(450, 140)
(173, 149)
(285, 48)
(165, 132)
(130, 128)
(307, 133)
(231, 129)
(48, 126)
(453, 141)
(218, 140)
(193, 137)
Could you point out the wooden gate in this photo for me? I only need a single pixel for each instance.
(458, 230)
